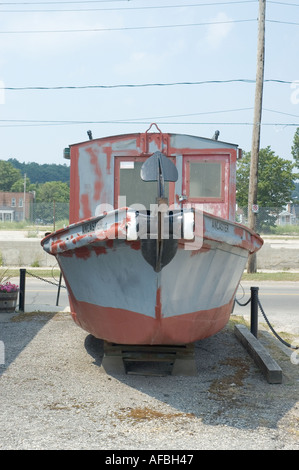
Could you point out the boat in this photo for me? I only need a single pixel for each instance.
(153, 254)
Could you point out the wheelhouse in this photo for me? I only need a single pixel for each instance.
(106, 172)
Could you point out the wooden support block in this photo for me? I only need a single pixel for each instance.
(113, 365)
(262, 358)
(185, 367)
(149, 359)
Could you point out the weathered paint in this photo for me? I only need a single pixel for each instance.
(108, 295)
(94, 167)
(114, 293)
(115, 303)
(149, 331)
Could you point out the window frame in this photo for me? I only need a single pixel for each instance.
(117, 161)
(222, 159)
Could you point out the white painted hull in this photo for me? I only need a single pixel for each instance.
(117, 296)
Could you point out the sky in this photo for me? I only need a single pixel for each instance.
(197, 58)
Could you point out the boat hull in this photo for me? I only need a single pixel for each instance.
(116, 295)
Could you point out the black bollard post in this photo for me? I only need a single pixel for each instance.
(22, 290)
(254, 311)
(58, 292)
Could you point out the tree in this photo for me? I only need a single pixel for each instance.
(53, 191)
(18, 186)
(275, 185)
(295, 148)
(8, 175)
(52, 201)
(295, 194)
(43, 173)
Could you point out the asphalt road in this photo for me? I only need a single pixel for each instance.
(44, 293)
(280, 300)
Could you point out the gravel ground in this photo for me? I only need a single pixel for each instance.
(55, 395)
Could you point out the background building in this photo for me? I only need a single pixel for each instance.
(15, 206)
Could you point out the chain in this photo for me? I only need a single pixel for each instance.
(243, 305)
(268, 323)
(45, 280)
(272, 329)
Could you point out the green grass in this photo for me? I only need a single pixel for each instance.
(284, 230)
(50, 272)
(44, 273)
(279, 276)
(25, 225)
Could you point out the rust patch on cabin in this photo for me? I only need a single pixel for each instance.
(98, 185)
(84, 204)
(108, 151)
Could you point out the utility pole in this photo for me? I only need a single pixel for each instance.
(24, 201)
(255, 145)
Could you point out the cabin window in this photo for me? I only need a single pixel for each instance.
(205, 178)
(129, 184)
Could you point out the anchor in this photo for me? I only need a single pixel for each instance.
(160, 251)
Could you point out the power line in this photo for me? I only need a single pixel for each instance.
(59, 2)
(60, 123)
(132, 28)
(280, 112)
(282, 22)
(128, 28)
(146, 120)
(131, 119)
(142, 85)
(114, 1)
(192, 114)
(151, 7)
(284, 4)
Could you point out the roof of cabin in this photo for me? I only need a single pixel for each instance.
(179, 140)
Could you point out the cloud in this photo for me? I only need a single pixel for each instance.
(35, 44)
(216, 33)
(143, 59)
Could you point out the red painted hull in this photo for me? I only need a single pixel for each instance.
(112, 324)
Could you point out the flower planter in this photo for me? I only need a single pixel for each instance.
(8, 301)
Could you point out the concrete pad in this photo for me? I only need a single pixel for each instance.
(42, 308)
